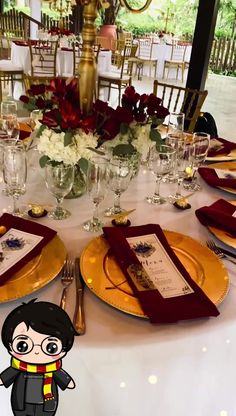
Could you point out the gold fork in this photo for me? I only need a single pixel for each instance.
(66, 280)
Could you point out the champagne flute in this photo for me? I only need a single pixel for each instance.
(120, 173)
(15, 173)
(59, 180)
(184, 155)
(96, 187)
(161, 162)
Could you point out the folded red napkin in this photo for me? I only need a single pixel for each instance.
(9, 221)
(210, 176)
(219, 215)
(225, 149)
(190, 303)
(67, 49)
(20, 43)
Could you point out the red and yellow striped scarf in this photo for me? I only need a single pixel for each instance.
(47, 371)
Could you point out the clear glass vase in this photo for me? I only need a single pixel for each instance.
(79, 185)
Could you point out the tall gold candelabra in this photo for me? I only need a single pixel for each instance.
(87, 64)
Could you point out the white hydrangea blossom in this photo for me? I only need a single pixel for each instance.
(51, 144)
(139, 137)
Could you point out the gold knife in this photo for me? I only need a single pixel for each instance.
(79, 319)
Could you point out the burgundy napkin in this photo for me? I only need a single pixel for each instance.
(218, 215)
(20, 43)
(154, 305)
(210, 176)
(10, 221)
(227, 147)
(67, 49)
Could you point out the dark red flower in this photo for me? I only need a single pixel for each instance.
(130, 97)
(24, 99)
(88, 123)
(110, 129)
(40, 103)
(37, 89)
(140, 117)
(123, 115)
(50, 119)
(70, 118)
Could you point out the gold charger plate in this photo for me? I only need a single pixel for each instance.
(104, 278)
(37, 273)
(225, 165)
(223, 235)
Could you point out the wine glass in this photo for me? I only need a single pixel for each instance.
(35, 116)
(184, 156)
(176, 123)
(201, 144)
(8, 108)
(96, 187)
(15, 173)
(11, 126)
(120, 173)
(161, 162)
(59, 180)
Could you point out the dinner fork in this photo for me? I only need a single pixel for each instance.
(212, 246)
(66, 280)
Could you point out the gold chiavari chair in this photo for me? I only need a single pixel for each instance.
(116, 78)
(187, 100)
(176, 61)
(43, 55)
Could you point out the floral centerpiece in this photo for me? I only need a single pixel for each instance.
(68, 136)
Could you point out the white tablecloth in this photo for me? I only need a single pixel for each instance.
(20, 55)
(124, 366)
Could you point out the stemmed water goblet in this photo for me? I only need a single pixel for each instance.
(15, 173)
(176, 123)
(120, 173)
(201, 144)
(59, 180)
(96, 188)
(184, 156)
(161, 162)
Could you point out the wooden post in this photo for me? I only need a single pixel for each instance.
(35, 12)
(202, 43)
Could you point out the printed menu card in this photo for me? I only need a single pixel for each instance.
(20, 241)
(158, 279)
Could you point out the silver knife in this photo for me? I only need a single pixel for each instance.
(79, 319)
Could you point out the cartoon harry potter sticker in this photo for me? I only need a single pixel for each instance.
(37, 335)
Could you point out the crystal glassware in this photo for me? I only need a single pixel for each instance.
(59, 180)
(184, 156)
(8, 108)
(96, 188)
(161, 162)
(201, 144)
(120, 173)
(15, 173)
(176, 123)
(11, 126)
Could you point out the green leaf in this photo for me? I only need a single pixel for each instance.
(124, 149)
(157, 121)
(83, 164)
(155, 135)
(68, 138)
(43, 160)
(124, 127)
(40, 130)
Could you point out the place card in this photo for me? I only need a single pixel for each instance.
(225, 174)
(158, 265)
(15, 244)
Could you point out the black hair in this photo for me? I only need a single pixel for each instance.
(43, 317)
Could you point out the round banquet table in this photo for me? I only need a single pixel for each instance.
(123, 365)
(20, 55)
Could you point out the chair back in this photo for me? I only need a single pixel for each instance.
(178, 53)
(43, 54)
(145, 49)
(187, 100)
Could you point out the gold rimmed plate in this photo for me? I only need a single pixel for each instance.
(231, 166)
(224, 236)
(36, 273)
(105, 279)
(227, 157)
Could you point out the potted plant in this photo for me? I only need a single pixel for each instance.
(108, 15)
